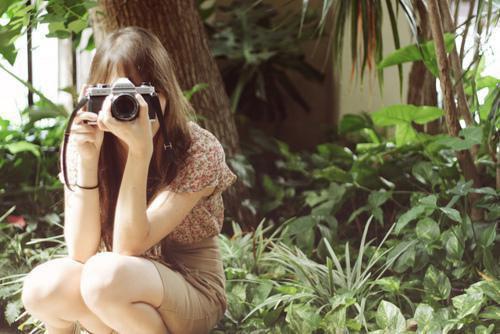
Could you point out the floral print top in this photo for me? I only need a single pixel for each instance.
(205, 166)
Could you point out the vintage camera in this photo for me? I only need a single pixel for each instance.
(124, 105)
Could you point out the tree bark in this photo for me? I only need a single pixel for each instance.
(464, 157)
(421, 83)
(179, 27)
(456, 64)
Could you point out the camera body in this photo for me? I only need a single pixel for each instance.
(124, 105)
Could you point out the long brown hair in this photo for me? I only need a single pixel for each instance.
(140, 54)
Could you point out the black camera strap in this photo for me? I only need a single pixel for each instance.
(167, 145)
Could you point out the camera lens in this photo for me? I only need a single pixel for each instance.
(124, 107)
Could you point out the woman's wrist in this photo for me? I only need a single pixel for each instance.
(87, 176)
(140, 156)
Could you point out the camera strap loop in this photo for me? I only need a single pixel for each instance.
(167, 144)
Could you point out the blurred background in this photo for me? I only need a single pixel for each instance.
(365, 135)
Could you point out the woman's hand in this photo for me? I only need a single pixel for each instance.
(88, 138)
(136, 134)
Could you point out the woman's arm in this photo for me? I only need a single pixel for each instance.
(82, 227)
(131, 225)
(138, 228)
(82, 223)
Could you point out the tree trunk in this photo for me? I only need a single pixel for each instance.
(421, 83)
(456, 64)
(179, 27)
(451, 115)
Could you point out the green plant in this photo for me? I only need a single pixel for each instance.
(256, 48)
(344, 294)
(29, 165)
(66, 18)
(23, 249)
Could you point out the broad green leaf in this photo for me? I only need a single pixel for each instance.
(405, 114)
(377, 198)
(487, 236)
(23, 146)
(408, 216)
(427, 230)
(452, 214)
(8, 35)
(389, 317)
(333, 174)
(483, 82)
(453, 248)
(13, 310)
(390, 284)
(352, 122)
(405, 134)
(491, 289)
(469, 303)
(406, 260)
(436, 283)
(424, 316)
(472, 135)
(77, 25)
(412, 53)
(430, 201)
(491, 312)
(261, 291)
(301, 225)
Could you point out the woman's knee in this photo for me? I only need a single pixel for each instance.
(51, 283)
(99, 277)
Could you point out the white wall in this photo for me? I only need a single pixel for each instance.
(13, 94)
(356, 97)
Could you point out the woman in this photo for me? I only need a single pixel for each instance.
(141, 230)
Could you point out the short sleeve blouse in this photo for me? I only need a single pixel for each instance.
(204, 166)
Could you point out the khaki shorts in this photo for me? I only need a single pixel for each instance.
(194, 287)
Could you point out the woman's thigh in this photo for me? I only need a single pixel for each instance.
(109, 277)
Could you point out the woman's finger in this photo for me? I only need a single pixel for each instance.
(83, 128)
(105, 120)
(87, 115)
(83, 116)
(101, 125)
(143, 107)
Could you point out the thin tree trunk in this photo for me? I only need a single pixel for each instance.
(456, 64)
(421, 83)
(464, 157)
(179, 27)
(29, 51)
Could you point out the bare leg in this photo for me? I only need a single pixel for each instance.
(112, 286)
(51, 293)
(132, 318)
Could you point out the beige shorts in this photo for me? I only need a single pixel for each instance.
(194, 287)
